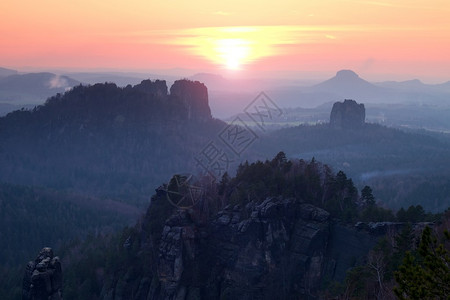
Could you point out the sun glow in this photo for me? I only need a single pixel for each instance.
(401, 37)
(233, 52)
(230, 47)
(235, 47)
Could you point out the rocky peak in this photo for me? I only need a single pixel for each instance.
(157, 88)
(347, 114)
(194, 96)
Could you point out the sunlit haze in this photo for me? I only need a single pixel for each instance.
(378, 39)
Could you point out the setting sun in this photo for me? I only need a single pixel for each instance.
(228, 47)
(233, 52)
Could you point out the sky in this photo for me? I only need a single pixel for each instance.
(395, 40)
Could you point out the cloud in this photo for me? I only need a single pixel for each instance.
(221, 13)
(245, 44)
(377, 3)
(58, 82)
(404, 5)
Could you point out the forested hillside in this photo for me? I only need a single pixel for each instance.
(108, 141)
(404, 168)
(88, 160)
(32, 217)
(285, 228)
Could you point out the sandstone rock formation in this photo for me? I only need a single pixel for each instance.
(194, 96)
(278, 249)
(158, 88)
(347, 115)
(43, 277)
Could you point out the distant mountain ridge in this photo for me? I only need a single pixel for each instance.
(228, 96)
(7, 72)
(416, 85)
(33, 88)
(348, 85)
(108, 140)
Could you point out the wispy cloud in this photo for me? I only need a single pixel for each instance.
(58, 82)
(251, 43)
(377, 3)
(221, 13)
(271, 34)
(398, 4)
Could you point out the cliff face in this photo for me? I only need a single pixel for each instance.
(279, 249)
(194, 96)
(347, 115)
(157, 89)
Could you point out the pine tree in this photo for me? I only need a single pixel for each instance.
(367, 196)
(428, 275)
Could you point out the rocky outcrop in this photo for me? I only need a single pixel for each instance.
(347, 115)
(43, 277)
(242, 257)
(157, 89)
(266, 251)
(276, 252)
(278, 249)
(194, 96)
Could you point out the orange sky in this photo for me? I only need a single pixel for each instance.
(397, 39)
